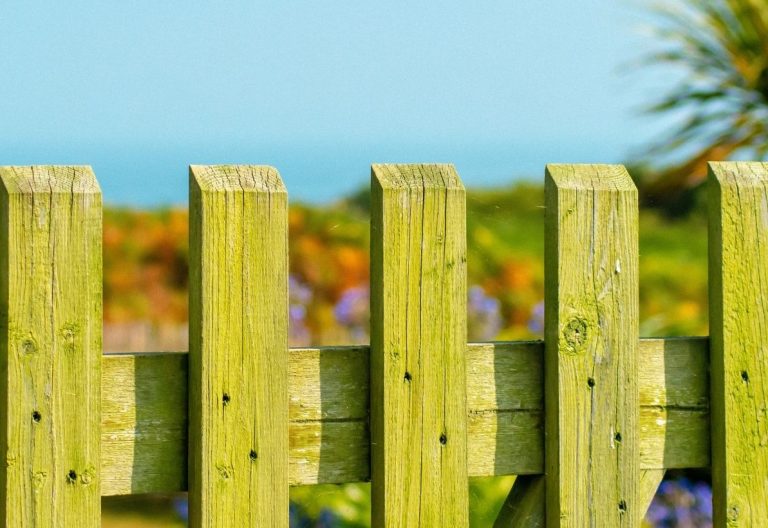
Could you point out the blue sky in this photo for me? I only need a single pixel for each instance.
(320, 89)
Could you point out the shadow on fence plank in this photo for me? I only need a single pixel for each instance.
(161, 421)
(329, 402)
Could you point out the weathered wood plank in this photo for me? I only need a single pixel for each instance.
(591, 341)
(674, 395)
(238, 372)
(328, 395)
(505, 401)
(418, 340)
(144, 423)
(674, 438)
(738, 282)
(329, 402)
(50, 340)
(650, 479)
(525, 506)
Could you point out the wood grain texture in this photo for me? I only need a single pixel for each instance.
(50, 339)
(238, 372)
(144, 423)
(144, 397)
(591, 336)
(674, 403)
(329, 403)
(650, 479)
(525, 506)
(418, 340)
(738, 281)
(328, 395)
(505, 402)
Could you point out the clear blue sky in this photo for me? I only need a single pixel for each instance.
(320, 88)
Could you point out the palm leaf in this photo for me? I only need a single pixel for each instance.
(723, 45)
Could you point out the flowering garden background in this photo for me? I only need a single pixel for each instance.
(146, 273)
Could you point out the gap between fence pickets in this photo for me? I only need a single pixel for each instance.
(144, 420)
(526, 503)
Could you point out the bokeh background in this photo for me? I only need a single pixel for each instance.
(141, 89)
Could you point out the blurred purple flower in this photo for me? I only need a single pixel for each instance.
(327, 519)
(536, 322)
(181, 506)
(299, 296)
(484, 315)
(681, 503)
(352, 311)
(297, 517)
(484, 318)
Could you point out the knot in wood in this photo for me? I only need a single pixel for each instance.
(28, 345)
(68, 332)
(86, 477)
(38, 480)
(225, 472)
(575, 334)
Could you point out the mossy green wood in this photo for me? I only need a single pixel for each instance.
(50, 339)
(238, 404)
(144, 424)
(738, 278)
(418, 341)
(591, 341)
(649, 482)
(525, 506)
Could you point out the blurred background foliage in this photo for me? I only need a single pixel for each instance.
(146, 268)
(718, 52)
(718, 49)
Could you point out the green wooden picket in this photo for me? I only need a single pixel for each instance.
(418, 341)
(591, 341)
(50, 347)
(738, 300)
(238, 373)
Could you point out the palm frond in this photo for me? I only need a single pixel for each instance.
(723, 47)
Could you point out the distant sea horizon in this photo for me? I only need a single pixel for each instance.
(155, 176)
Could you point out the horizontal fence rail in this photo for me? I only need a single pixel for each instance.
(589, 419)
(144, 425)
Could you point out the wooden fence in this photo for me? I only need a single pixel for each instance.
(590, 419)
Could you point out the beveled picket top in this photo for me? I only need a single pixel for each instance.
(233, 178)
